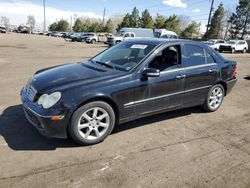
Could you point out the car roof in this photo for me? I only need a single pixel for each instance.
(158, 41)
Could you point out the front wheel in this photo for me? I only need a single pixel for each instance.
(214, 98)
(92, 123)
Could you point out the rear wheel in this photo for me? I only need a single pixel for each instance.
(93, 41)
(92, 123)
(214, 98)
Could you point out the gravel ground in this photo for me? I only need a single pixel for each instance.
(184, 148)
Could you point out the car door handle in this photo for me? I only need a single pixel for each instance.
(212, 70)
(181, 76)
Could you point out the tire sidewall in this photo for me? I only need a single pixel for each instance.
(207, 106)
(73, 127)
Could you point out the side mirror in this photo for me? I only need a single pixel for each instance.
(150, 72)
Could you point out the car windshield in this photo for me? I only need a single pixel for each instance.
(210, 43)
(231, 42)
(124, 56)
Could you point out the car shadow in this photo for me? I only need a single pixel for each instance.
(247, 77)
(20, 135)
(156, 118)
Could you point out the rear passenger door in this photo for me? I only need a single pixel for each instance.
(201, 73)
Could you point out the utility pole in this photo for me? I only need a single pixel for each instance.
(210, 14)
(44, 17)
(103, 19)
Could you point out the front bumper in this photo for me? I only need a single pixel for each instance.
(41, 118)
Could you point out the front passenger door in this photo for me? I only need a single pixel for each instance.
(163, 92)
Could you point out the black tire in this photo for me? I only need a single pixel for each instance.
(244, 51)
(220, 51)
(93, 41)
(73, 127)
(206, 105)
(233, 51)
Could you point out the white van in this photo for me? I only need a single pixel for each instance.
(128, 33)
(163, 33)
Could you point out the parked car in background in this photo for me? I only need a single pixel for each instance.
(234, 46)
(92, 38)
(81, 38)
(60, 34)
(215, 43)
(163, 33)
(2, 29)
(128, 33)
(73, 35)
(130, 80)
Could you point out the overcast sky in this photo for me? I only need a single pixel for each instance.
(18, 10)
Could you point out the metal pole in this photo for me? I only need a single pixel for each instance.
(44, 17)
(103, 19)
(210, 14)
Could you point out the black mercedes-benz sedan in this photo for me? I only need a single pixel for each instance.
(131, 80)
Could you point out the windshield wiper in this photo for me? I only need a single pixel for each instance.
(105, 64)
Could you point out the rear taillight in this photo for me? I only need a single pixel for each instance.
(235, 71)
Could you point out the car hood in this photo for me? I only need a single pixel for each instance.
(72, 74)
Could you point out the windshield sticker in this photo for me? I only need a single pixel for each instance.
(139, 46)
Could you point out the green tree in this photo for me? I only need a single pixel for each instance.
(216, 24)
(109, 26)
(53, 27)
(126, 22)
(78, 26)
(147, 20)
(62, 25)
(86, 25)
(240, 19)
(172, 23)
(95, 27)
(191, 30)
(159, 21)
(135, 18)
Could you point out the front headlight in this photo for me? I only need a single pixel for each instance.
(48, 101)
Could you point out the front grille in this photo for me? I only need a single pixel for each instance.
(225, 47)
(31, 92)
(110, 39)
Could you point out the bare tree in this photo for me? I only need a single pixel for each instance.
(225, 24)
(5, 22)
(116, 20)
(31, 22)
(184, 21)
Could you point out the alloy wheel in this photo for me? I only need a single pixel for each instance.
(215, 98)
(93, 123)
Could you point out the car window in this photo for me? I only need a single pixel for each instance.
(126, 35)
(209, 58)
(241, 43)
(169, 58)
(132, 35)
(194, 55)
